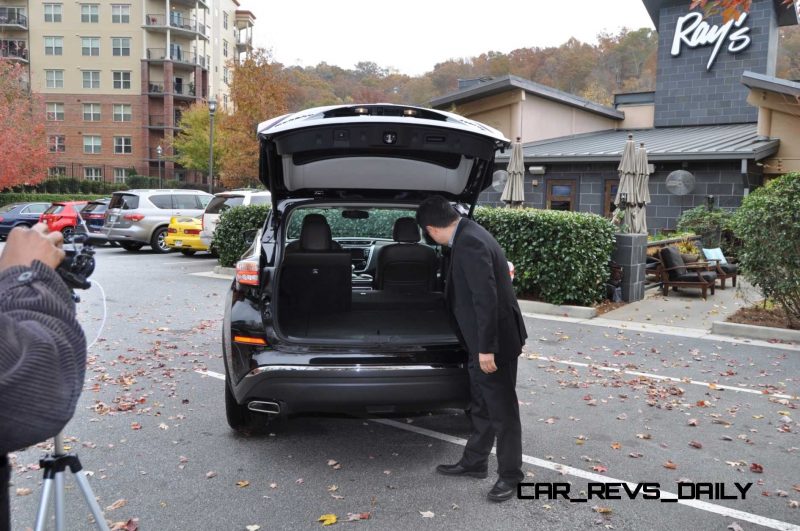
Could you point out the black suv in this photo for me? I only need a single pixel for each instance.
(338, 305)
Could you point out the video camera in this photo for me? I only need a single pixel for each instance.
(78, 264)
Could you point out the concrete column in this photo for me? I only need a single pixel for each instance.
(630, 252)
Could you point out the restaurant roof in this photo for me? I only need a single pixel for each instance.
(708, 142)
(754, 80)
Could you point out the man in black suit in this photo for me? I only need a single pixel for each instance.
(491, 328)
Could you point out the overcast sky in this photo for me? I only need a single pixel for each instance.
(413, 35)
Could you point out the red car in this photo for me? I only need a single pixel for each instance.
(63, 216)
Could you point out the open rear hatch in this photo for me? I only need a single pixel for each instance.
(379, 151)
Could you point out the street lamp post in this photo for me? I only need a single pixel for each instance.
(159, 151)
(212, 108)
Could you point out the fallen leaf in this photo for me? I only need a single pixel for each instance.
(136, 426)
(670, 465)
(242, 483)
(794, 504)
(327, 519)
(695, 444)
(299, 481)
(351, 517)
(332, 462)
(332, 488)
(117, 504)
(131, 525)
(211, 474)
(693, 422)
(23, 491)
(635, 455)
(600, 468)
(601, 510)
(735, 527)
(756, 468)
(273, 485)
(253, 527)
(646, 436)
(616, 445)
(426, 514)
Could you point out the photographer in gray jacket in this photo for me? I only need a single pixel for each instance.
(42, 347)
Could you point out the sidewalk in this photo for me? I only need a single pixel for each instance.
(686, 308)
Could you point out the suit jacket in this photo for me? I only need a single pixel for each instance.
(481, 296)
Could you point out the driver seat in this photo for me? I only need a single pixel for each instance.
(315, 235)
(406, 266)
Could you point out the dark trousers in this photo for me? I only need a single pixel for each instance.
(495, 412)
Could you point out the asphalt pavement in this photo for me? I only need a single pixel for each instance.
(598, 404)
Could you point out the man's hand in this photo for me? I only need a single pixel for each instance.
(25, 245)
(487, 363)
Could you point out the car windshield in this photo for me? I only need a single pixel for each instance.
(259, 199)
(221, 203)
(94, 208)
(124, 201)
(54, 209)
(378, 224)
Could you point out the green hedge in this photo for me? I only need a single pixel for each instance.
(229, 242)
(559, 257)
(8, 198)
(68, 185)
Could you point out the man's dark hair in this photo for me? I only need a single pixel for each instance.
(436, 211)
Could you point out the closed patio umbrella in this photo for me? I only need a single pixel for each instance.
(642, 189)
(513, 193)
(626, 188)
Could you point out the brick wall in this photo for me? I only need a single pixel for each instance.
(688, 94)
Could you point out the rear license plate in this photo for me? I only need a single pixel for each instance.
(112, 219)
(178, 243)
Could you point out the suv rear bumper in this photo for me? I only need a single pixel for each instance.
(356, 388)
(134, 233)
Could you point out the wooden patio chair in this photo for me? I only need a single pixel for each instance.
(675, 273)
(724, 267)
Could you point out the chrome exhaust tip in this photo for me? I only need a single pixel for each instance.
(268, 408)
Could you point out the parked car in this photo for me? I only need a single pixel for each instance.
(94, 215)
(338, 304)
(225, 200)
(136, 218)
(20, 214)
(63, 216)
(183, 234)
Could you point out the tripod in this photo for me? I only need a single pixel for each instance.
(54, 466)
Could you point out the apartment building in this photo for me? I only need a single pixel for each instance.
(114, 77)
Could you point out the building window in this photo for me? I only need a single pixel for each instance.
(225, 20)
(55, 143)
(611, 187)
(561, 194)
(120, 175)
(225, 102)
(54, 45)
(55, 112)
(224, 47)
(93, 174)
(122, 112)
(54, 78)
(91, 112)
(90, 13)
(57, 171)
(225, 75)
(90, 46)
(120, 13)
(91, 79)
(123, 145)
(52, 12)
(121, 46)
(92, 144)
(122, 80)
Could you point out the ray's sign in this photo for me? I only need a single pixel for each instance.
(694, 32)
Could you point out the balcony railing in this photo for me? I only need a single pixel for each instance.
(14, 19)
(14, 49)
(155, 88)
(173, 21)
(157, 120)
(183, 90)
(178, 56)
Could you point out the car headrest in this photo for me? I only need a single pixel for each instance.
(405, 230)
(315, 234)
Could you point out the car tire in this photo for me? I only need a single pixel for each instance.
(188, 252)
(68, 233)
(129, 246)
(158, 241)
(241, 419)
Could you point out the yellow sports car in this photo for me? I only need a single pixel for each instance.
(183, 234)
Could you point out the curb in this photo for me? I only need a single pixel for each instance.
(230, 271)
(754, 332)
(580, 312)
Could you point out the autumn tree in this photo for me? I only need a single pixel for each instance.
(191, 144)
(730, 9)
(23, 144)
(260, 90)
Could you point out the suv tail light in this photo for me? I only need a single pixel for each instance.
(247, 272)
(133, 217)
(1, 218)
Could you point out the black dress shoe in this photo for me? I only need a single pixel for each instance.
(458, 470)
(503, 490)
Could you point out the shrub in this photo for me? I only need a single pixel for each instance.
(768, 224)
(69, 185)
(708, 224)
(229, 241)
(559, 257)
(8, 198)
(142, 181)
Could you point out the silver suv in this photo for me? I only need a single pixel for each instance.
(136, 218)
(225, 200)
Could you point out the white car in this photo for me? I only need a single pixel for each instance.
(225, 200)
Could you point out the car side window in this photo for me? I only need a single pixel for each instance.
(162, 201)
(185, 201)
(34, 209)
(204, 200)
(259, 199)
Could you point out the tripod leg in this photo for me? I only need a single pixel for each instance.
(86, 489)
(41, 514)
(59, 497)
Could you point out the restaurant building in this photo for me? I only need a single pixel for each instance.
(718, 124)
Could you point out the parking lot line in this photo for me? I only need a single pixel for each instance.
(583, 474)
(661, 377)
(577, 472)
